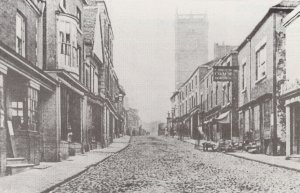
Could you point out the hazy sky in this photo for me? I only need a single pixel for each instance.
(144, 43)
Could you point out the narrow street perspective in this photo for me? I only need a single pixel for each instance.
(159, 164)
(149, 96)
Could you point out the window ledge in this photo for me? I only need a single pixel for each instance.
(261, 79)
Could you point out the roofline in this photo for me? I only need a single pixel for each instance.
(95, 6)
(107, 14)
(260, 23)
(291, 16)
(174, 94)
(200, 66)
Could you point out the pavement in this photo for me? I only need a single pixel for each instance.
(278, 161)
(48, 175)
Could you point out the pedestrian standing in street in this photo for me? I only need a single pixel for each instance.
(166, 132)
(197, 137)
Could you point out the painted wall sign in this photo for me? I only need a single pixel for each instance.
(224, 73)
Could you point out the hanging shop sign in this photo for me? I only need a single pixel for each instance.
(224, 73)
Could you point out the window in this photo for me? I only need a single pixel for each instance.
(79, 16)
(211, 98)
(78, 56)
(207, 82)
(68, 53)
(185, 93)
(211, 79)
(201, 101)
(186, 106)
(196, 102)
(224, 88)
(243, 76)
(32, 108)
(20, 34)
(261, 63)
(228, 92)
(216, 94)
(65, 46)
(241, 121)
(92, 78)
(196, 80)
(207, 101)
(17, 114)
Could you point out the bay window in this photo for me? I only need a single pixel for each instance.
(69, 53)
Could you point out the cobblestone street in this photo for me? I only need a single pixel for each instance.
(157, 164)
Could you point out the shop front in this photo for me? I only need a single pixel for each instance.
(224, 123)
(255, 123)
(22, 108)
(292, 104)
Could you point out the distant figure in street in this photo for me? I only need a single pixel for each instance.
(197, 137)
(166, 132)
(180, 131)
(172, 132)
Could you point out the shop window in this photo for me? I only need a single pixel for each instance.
(17, 112)
(241, 121)
(267, 107)
(20, 34)
(32, 109)
(261, 63)
(256, 121)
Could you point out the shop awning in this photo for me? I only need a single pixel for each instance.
(223, 118)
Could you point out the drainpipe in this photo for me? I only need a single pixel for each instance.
(274, 132)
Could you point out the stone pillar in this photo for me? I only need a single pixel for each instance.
(3, 131)
(288, 130)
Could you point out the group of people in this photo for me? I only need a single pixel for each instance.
(182, 130)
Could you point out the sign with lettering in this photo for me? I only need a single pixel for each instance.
(224, 73)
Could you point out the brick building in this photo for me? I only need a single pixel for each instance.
(188, 100)
(262, 67)
(218, 103)
(25, 88)
(59, 92)
(191, 45)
